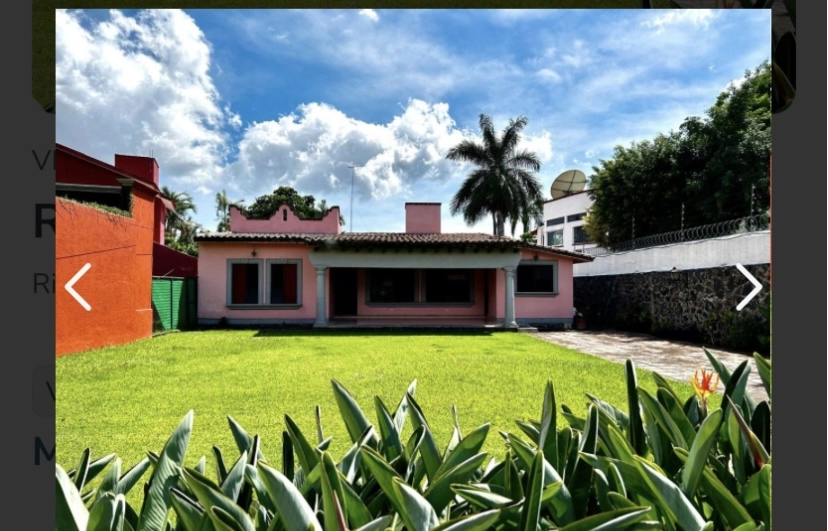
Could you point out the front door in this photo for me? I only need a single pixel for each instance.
(344, 291)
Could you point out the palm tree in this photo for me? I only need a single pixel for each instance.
(183, 204)
(223, 205)
(503, 185)
(531, 217)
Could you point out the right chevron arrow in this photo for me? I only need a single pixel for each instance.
(757, 287)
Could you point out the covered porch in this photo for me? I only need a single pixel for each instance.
(415, 289)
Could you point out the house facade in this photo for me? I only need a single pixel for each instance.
(563, 221)
(287, 270)
(116, 254)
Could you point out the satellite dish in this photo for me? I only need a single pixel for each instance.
(568, 182)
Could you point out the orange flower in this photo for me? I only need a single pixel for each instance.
(705, 384)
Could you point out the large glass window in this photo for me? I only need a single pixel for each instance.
(579, 235)
(245, 283)
(554, 238)
(448, 285)
(392, 285)
(537, 278)
(284, 283)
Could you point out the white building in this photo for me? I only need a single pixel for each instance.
(563, 222)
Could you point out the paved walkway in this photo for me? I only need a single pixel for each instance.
(672, 359)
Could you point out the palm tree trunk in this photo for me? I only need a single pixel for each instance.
(500, 229)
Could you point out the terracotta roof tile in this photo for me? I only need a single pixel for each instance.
(394, 239)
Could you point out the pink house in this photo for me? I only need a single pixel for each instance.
(288, 271)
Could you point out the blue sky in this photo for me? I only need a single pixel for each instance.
(250, 100)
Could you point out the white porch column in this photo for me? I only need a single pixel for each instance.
(321, 300)
(510, 322)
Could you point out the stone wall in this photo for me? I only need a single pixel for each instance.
(694, 305)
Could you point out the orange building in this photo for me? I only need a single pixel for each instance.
(110, 253)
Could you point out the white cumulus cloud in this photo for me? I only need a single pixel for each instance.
(140, 85)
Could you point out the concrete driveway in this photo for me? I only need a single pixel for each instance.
(672, 359)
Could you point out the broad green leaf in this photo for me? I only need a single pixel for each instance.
(760, 454)
(476, 522)
(349, 465)
(548, 436)
(201, 466)
(636, 429)
(530, 515)
(355, 420)
(390, 437)
(244, 498)
(288, 457)
(188, 511)
(561, 504)
(308, 455)
(671, 499)
(70, 511)
(721, 370)
(439, 492)
(760, 424)
(720, 498)
(402, 409)
(221, 468)
(428, 447)
(697, 460)
(580, 483)
(735, 388)
(384, 474)
(763, 367)
(757, 497)
(243, 439)
(233, 482)
(109, 483)
(358, 514)
(251, 474)
(481, 498)
(107, 513)
(529, 430)
(81, 471)
(209, 495)
(601, 487)
(610, 412)
(663, 418)
(676, 411)
(128, 480)
(223, 520)
(417, 513)
(468, 447)
(609, 520)
(750, 526)
(662, 383)
(156, 506)
(331, 492)
(294, 511)
(380, 524)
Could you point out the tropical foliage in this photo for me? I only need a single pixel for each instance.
(712, 169)
(659, 463)
(223, 204)
(306, 207)
(504, 184)
(181, 229)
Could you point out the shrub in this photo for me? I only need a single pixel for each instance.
(661, 464)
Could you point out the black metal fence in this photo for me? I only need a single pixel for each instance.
(747, 224)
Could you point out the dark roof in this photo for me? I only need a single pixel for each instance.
(350, 240)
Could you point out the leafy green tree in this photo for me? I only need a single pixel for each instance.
(714, 168)
(306, 207)
(504, 184)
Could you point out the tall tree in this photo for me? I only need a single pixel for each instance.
(504, 184)
(184, 205)
(223, 204)
(713, 169)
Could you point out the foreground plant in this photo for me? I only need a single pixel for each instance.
(662, 464)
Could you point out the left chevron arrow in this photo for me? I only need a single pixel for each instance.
(74, 293)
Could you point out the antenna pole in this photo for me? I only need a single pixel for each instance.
(353, 171)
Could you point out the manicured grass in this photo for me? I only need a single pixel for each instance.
(128, 399)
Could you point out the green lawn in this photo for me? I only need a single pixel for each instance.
(128, 399)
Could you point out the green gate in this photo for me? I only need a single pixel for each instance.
(174, 303)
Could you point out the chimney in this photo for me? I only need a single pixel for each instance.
(422, 218)
(143, 168)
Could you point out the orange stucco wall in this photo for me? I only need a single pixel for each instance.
(117, 286)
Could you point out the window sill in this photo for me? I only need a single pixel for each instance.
(263, 306)
(420, 304)
(538, 294)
